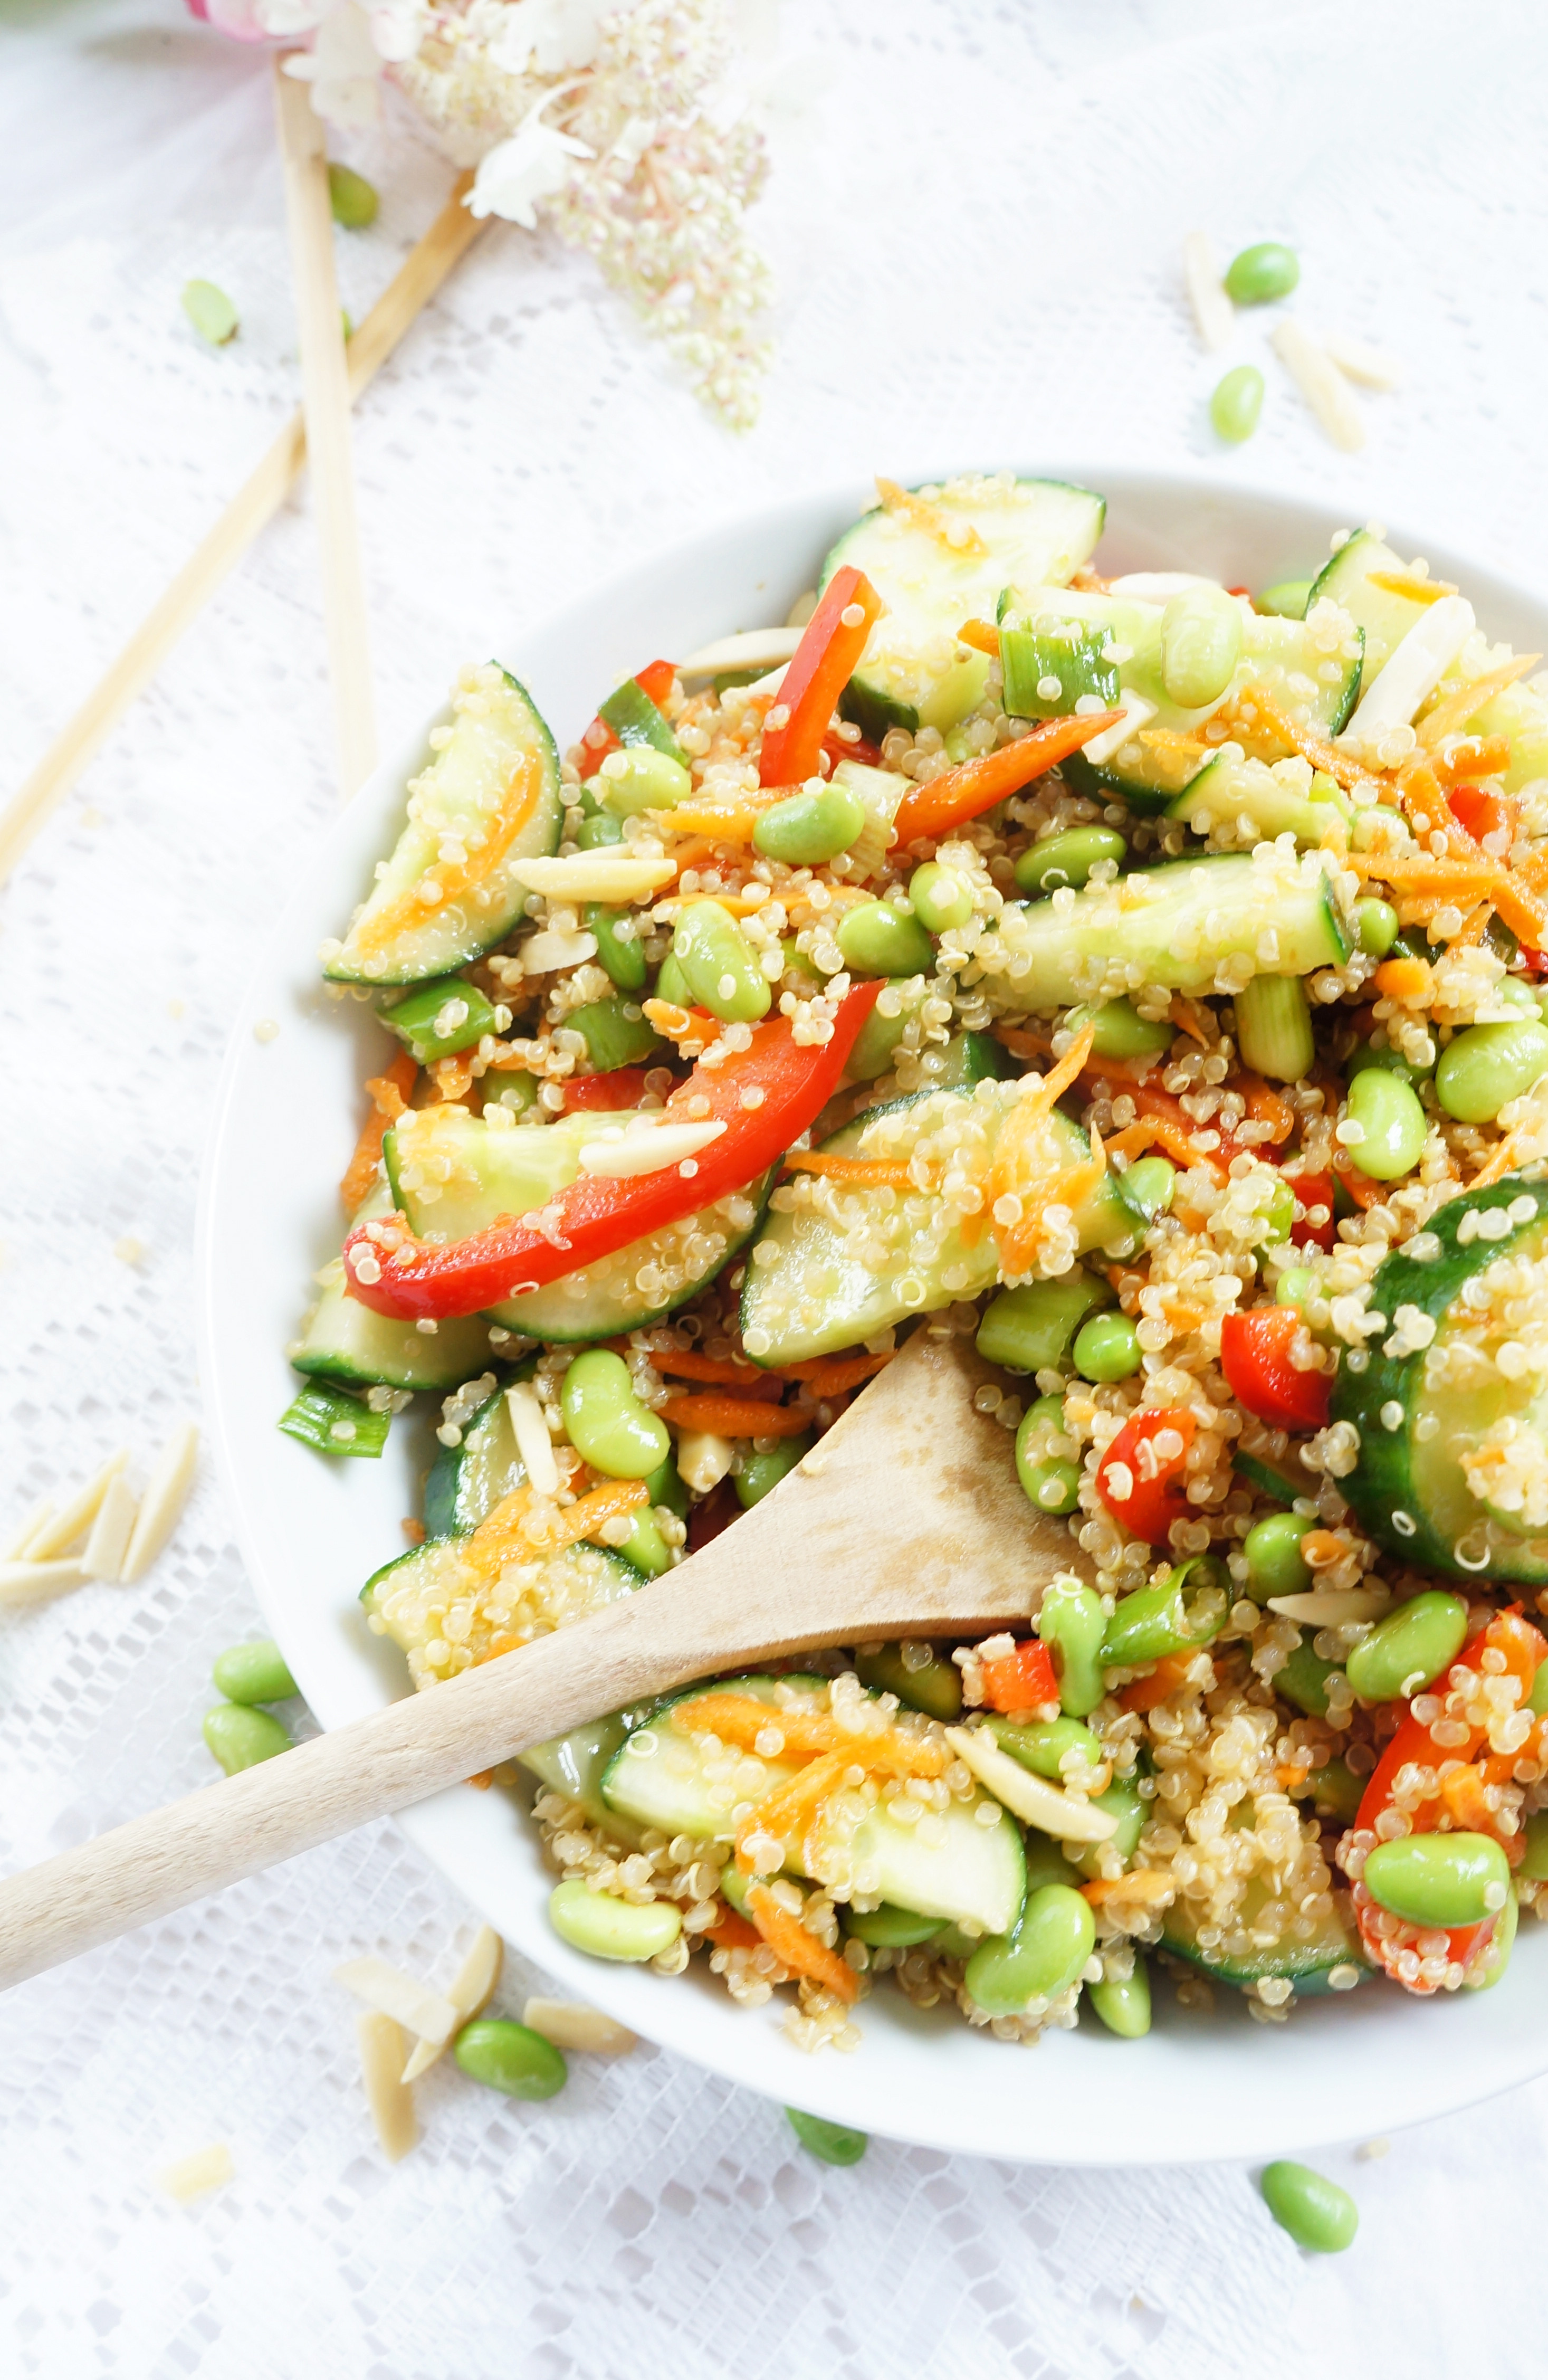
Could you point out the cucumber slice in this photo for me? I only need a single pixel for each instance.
(661, 1778)
(467, 1482)
(450, 1173)
(810, 1288)
(1412, 1488)
(1241, 1962)
(574, 1764)
(418, 1597)
(915, 672)
(494, 791)
(1238, 803)
(1179, 922)
(345, 1341)
(1385, 617)
(1269, 1478)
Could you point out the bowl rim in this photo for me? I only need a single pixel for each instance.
(477, 1839)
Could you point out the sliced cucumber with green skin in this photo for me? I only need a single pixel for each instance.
(660, 1777)
(1236, 803)
(1409, 1488)
(1270, 1478)
(467, 1482)
(494, 790)
(1307, 1964)
(1384, 616)
(489, 1175)
(413, 1596)
(914, 671)
(345, 1341)
(574, 1764)
(806, 1294)
(1179, 923)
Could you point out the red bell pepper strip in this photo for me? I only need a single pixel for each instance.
(1313, 1190)
(822, 665)
(1524, 1648)
(851, 747)
(599, 740)
(1023, 1680)
(1153, 1496)
(932, 810)
(1479, 811)
(1255, 1358)
(624, 1087)
(390, 1270)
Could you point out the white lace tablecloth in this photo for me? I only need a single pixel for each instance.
(975, 216)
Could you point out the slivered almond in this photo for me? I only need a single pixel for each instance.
(1331, 1607)
(160, 1507)
(533, 1442)
(1042, 1805)
(55, 1537)
(390, 2099)
(1212, 312)
(1320, 384)
(754, 648)
(1360, 362)
(594, 876)
(569, 2025)
(103, 1556)
(29, 1581)
(392, 1992)
(192, 2177)
(647, 1149)
(468, 1992)
(33, 1526)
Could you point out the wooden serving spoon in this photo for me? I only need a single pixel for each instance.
(906, 1518)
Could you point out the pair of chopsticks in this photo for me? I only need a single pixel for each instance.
(334, 374)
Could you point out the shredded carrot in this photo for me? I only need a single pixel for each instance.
(1475, 926)
(1476, 755)
(1417, 591)
(831, 1376)
(733, 1932)
(1497, 1165)
(1184, 1014)
(734, 1416)
(1406, 980)
(1132, 1139)
(389, 1097)
(1365, 1193)
(718, 823)
(685, 1364)
(1144, 1693)
(612, 1501)
(1452, 711)
(798, 1950)
(1274, 724)
(1148, 1884)
(453, 1077)
(934, 523)
(1265, 1106)
(789, 1808)
(867, 1172)
(981, 635)
(1424, 805)
(1291, 1779)
(481, 866)
(1023, 1042)
(736, 905)
(742, 1718)
(1168, 740)
(676, 1023)
(484, 1779)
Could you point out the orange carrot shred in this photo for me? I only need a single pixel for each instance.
(734, 1416)
(390, 1096)
(797, 1948)
(719, 1371)
(861, 1172)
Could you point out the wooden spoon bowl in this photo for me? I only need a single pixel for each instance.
(906, 1518)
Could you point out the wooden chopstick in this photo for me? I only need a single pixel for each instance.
(325, 403)
(249, 514)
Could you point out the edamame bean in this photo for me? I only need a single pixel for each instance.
(940, 897)
(596, 833)
(1067, 858)
(664, 1485)
(1516, 995)
(614, 1037)
(809, 827)
(1274, 1565)
(512, 1088)
(1315, 2211)
(1121, 1802)
(1040, 1956)
(876, 938)
(1534, 1867)
(759, 1473)
(353, 198)
(1149, 1186)
(1107, 1348)
(1439, 1879)
(254, 1673)
(1186, 1609)
(834, 2144)
(640, 778)
(1123, 2002)
(620, 953)
(1119, 1031)
(891, 1929)
(1303, 1680)
(210, 312)
(1201, 644)
(1391, 1121)
(1235, 405)
(240, 1738)
(511, 2057)
(934, 1687)
(438, 1019)
(1072, 1623)
(610, 1928)
(1263, 272)
(1296, 1286)
(1375, 927)
(1489, 1065)
(1045, 1864)
(1409, 1649)
(1042, 1745)
(879, 1035)
(719, 965)
(1279, 1213)
(1336, 1791)
(1052, 1482)
(645, 1545)
(607, 1424)
(1030, 1327)
(673, 984)
(1285, 599)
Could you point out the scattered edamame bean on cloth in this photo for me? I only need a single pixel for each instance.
(1142, 979)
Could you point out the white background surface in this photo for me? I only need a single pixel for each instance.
(976, 226)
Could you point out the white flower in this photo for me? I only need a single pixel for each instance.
(352, 45)
(555, 35)
(532, 164)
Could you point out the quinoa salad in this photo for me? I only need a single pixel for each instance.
(1140, 977)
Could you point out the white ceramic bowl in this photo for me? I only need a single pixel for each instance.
(287, 1112)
